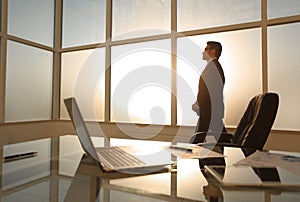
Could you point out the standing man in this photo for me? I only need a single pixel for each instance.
(209, 105)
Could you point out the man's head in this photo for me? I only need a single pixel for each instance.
(212, 50)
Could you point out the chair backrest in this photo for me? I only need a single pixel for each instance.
(257, 121)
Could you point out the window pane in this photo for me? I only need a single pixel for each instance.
(189, 68)
(28, 83)
(284, 74)
(0, 15)
(241, 63)
(196, 14)
(32, 20)
(140, 18)
(279, 8)
(141, 83)
(83, 22)
(83, 76)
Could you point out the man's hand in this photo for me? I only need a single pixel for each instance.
(195, 108)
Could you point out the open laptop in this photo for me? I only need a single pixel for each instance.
(110, 158)
(239, 176)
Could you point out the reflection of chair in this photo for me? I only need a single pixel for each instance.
(254, 127)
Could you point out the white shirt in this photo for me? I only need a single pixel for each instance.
(211, 59)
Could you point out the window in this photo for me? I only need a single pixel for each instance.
(141, 83)
(284, 74)
(198, 14)
(0, 15)
(138, 53)
(28, 83)
(83, 22)
(83, 77)
(279, 8)
(139, 18)
(32, 20)
(189, 68)
(241, 63)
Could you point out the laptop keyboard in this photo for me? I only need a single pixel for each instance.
(116, 158)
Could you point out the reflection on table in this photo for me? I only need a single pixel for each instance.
(79, 178)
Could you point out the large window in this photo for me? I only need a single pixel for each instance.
(140, 18)
(0, 15)
(284, 73)
(83, 22)
(197, 14)
(139, 61)
(32, 20)
(141, 83)
(28, 83)
(279, 8)
(241, 63)
(83, 77)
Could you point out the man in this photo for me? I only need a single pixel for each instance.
(209, 105)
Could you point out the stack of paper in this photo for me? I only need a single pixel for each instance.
(267, 159)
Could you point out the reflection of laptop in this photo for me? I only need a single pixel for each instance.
(253, 176)
(111, 158)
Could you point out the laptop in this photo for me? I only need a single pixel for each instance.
(112, 158)
(240, 176)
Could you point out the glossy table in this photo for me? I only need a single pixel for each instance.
(79, 178)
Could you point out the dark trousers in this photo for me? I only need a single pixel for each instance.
(208, 123)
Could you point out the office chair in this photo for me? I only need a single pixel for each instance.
(253, 128)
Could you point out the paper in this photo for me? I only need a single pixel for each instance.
(267, 159)
(197, 152)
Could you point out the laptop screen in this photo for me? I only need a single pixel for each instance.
(80, 126)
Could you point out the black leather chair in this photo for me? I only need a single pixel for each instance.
(252, 130)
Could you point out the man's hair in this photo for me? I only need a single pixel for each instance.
(217, 46)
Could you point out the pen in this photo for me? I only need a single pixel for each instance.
(19, 156)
